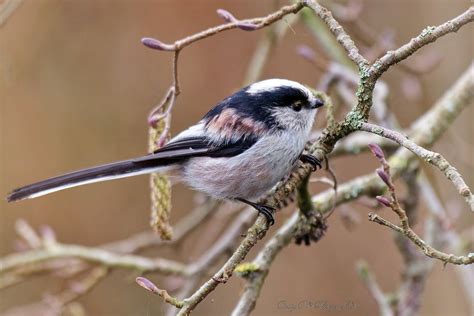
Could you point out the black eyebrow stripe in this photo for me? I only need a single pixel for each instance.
(284, 96)
(258, 106)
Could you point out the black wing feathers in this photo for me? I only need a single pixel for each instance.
(198, 146)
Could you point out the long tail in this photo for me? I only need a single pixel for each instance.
(106, 172)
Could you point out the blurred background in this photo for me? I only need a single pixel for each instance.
(77, 85)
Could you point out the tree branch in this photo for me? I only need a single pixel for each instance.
(95, 255)
(247, 24)
(431, 157)
(371, 283)
(428, 35)
(404, 227)
(433, 123)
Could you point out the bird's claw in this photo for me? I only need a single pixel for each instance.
(312, 160)
(263, 209)
(266, 211)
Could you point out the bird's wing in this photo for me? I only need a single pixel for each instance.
(197, 146)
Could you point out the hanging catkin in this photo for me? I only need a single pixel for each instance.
(160, 190)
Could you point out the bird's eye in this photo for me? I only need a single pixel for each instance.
(297, 106)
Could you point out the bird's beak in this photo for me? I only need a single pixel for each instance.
(317, 103)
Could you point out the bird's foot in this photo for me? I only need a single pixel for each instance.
(312, 160)
(266, 211)
(263, 209)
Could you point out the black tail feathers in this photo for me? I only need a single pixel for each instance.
(106, 172)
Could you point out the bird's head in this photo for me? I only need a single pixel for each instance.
(264, 106)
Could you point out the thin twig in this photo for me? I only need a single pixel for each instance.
(431, 157)
(255, 23)
(404, 227)
(428, 35)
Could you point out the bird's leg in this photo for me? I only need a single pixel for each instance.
(312, 160)
(266, 210)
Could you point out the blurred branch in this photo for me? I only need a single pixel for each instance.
(77, 288)
(341, 36)
(416, 270)
(185, 226)
(325, 40)
(94, 275)
(7, 8)
(95, 255)
(71, 266)
(264, 47)
(453, 239)
(416, 266)
(371, 283)
(232, 233)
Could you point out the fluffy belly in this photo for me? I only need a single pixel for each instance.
(248, 175)
(232, 178)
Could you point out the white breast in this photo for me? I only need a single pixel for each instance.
(250, 174)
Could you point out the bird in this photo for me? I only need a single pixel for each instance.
(239, 150)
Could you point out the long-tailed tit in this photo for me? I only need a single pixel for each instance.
(239, 150)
